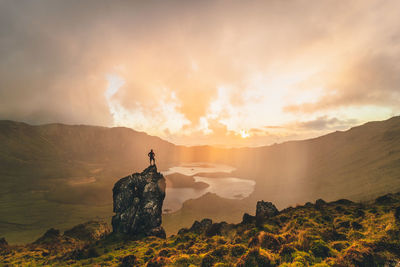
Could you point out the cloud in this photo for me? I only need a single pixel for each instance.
(199, 71)
(162, 117)
(372, 80)
(323, 123)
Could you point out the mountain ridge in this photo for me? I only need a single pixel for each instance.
(38, 169)
(4, 121)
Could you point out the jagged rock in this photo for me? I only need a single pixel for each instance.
(247, 218)
(343, 202)
(215, 229)
(3, 242)
(138, 201)
(320, 203)
(309, 205)
(201, 227)
(265, 210)
(4, 247)
(183, 231)
(386, 199)
(89, 231)
(51, 236)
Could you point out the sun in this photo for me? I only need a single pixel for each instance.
(244, 134)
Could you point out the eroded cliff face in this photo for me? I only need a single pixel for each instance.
(138, 200)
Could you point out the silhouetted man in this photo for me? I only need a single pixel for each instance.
(152, 157)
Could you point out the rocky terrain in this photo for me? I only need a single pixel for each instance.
(60, 175)
(138, 201)
(339, 233)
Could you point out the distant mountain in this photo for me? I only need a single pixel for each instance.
(359, 164)
(60, 175)
(26, 144)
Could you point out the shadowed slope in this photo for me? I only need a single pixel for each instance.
(68, 172)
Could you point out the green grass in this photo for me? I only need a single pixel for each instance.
(332, 234)
(36, 163)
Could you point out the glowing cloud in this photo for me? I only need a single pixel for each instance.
(203, 78)
(163, 119)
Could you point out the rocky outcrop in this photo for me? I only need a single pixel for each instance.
(319, 204)
(51, 236)
(80, 234)
(89, 231)
(247, 218)
(197, 227)
(4, 247)
(138, 200)
(265, 210)
(3, 243)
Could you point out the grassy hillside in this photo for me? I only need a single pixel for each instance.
(59, 175)
(359, 164)
(340, 233)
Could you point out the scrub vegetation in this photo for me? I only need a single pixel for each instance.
(339, 233)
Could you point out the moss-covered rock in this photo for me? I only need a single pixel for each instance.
(303, 238)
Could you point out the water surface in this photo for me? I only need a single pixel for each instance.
(226, 187)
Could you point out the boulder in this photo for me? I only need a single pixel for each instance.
(138, 200)
(265, 210)
(51, 236)
(343, 202)
(4, 247)
(201, 227)
(247, 218)
(89, 231)
(386, 199)
(215, 229)
(319, 204)
(3, 243)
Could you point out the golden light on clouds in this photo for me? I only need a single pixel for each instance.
(244, 134)
(202, 72)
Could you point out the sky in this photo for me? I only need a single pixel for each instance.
(231, 73)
